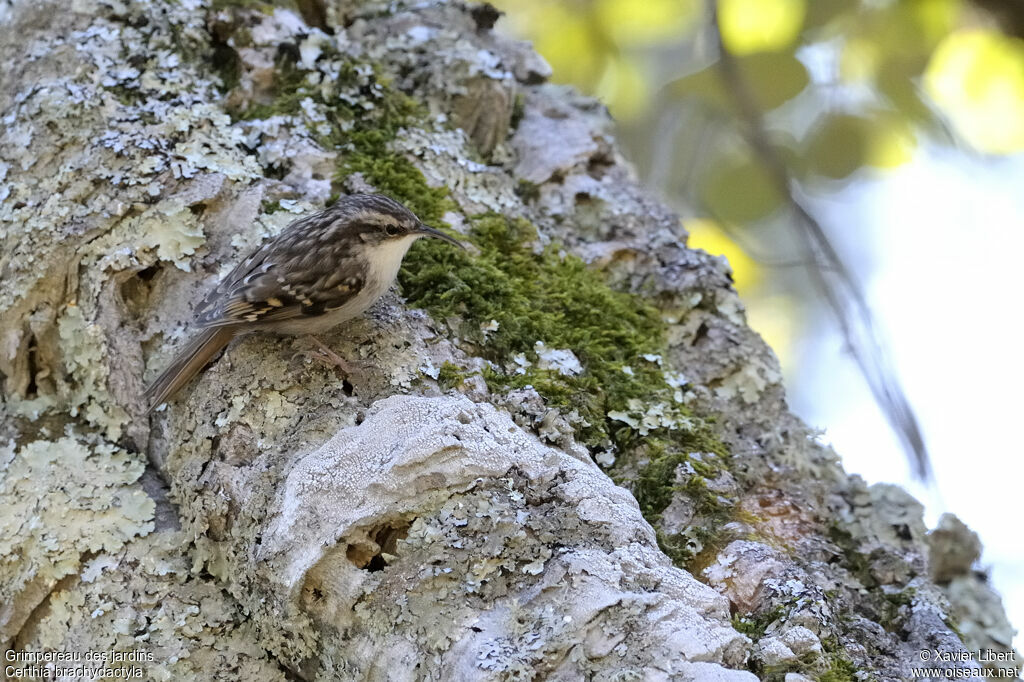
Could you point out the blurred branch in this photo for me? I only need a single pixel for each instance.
(829, 273)
(1009, 14)
(760, 257)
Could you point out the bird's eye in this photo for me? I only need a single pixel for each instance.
(392, 230)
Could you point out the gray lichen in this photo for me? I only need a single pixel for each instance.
(63, 500)
(145, 601)
(395, 522)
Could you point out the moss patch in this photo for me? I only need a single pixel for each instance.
(449, 376)
(753, 626)
(841, 669)
(549, 297)
(267, 6)
(657, 483)
(856, 562)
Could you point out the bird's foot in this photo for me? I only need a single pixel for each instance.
(328, 357)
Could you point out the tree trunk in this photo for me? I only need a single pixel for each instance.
(563, 455)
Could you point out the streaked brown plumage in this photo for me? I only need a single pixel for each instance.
(318, 272)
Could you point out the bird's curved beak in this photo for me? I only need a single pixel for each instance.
(428, 231)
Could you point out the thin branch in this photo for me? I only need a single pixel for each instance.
(834, 282)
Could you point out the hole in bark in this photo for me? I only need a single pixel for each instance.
(227, 64)
(347, 388)
(147, 274)
(360, 555)
(32, 390)
(384, 539)
(485, 15)
(136, 288)
(288, 54)
(702, 332)
(314, 591)
(598, 165)
(314, 12)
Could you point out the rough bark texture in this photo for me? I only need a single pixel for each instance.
(448, 512)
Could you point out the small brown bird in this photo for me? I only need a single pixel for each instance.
(318, 272)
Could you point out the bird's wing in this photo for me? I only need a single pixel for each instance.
(280, 283)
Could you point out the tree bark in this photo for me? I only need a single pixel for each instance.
(431, 516)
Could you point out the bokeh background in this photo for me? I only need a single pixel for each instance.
(859, 163)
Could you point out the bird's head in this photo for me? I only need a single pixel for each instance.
(380, 220)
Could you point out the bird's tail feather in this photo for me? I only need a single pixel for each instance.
(192, 358)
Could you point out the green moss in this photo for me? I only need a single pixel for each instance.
(397, 176)
(856, 562)
(518, 110)
(549, 297)
(290, 87)
(266, 6)
(754, 626)
(841, 669)
(892, 611)
(527, 191)
(656, 484)
(450, 376)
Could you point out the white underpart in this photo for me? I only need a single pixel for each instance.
(385, 259)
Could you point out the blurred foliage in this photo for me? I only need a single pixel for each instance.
(846, 89)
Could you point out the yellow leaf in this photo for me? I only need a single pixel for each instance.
(568, 45)
(777, 320)
(934, 18)
(858, 61)
(977, 78)
(643, 23)
(760, 25)
(892, 142)
(708, 235)
(624, 87)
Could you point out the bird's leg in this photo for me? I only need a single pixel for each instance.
(355, 372)
(329, 357)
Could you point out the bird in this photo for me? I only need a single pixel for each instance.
(318, 272)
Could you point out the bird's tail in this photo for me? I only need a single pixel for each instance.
(192, 358)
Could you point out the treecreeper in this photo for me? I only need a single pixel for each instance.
(320, 271)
